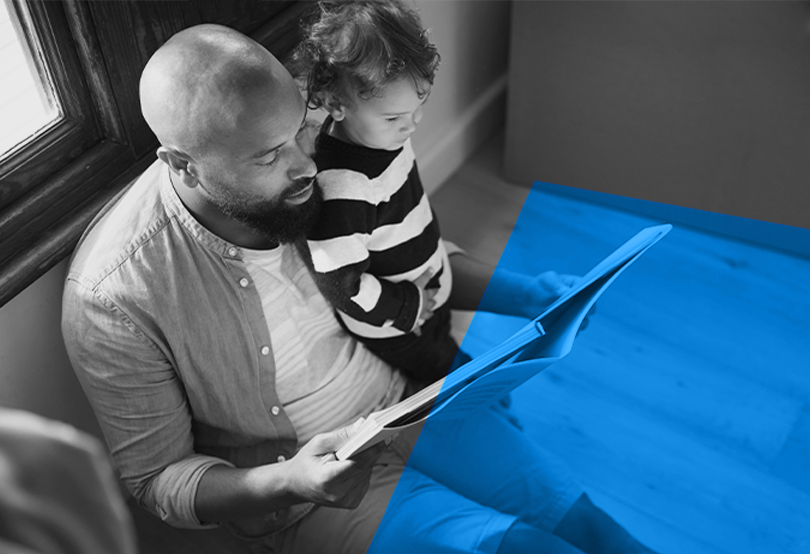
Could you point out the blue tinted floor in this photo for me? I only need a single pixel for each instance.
(684, 408)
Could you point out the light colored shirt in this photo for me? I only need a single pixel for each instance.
(165, 329)
(322, 379)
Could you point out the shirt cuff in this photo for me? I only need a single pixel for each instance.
(173, 492)
(408, 318)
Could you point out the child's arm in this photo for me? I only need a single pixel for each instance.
(340, 259)
(508, 292)
(366, 298)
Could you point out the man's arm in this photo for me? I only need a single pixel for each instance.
(312, 475)
(141, 406)
(507, 292)
(139, 402)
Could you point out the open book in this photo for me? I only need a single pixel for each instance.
(481, 381)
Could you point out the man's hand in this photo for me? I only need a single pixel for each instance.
(318, 476)
(549, 286)
(507, 292)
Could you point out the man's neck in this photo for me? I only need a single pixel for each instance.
(222, 225)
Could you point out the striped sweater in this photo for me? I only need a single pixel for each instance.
(376, 235)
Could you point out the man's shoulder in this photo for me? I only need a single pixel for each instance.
(122, 228)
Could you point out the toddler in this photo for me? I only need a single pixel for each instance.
(376, 252)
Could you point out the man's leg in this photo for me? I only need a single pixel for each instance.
(593, 531)
(422, 516)
(522, 538)
(492, 462)
(426, 517)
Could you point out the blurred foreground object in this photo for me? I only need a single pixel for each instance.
(58, 493)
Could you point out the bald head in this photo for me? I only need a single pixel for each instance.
(204, 82)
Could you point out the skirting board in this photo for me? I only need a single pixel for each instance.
(442, 157)
(793, 240)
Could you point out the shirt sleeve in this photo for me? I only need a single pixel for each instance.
(140, 404)
(340, 260)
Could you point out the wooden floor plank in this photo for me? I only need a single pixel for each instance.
(729, 413)
(793, 462)
(708, 495)
(650, 531)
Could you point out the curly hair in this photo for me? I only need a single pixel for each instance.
(361, 46)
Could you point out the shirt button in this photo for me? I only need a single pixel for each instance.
(232, 251)
(265, 350)
(274, 410)
(244, 282)
(281, 459)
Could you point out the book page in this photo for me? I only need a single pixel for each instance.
(488, 388)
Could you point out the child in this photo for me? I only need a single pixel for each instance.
(376, 251)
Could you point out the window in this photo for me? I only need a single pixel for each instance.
(28, 104)
(71, 132)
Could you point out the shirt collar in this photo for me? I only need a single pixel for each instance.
(202, 235)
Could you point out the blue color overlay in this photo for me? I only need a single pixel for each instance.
(656, 330)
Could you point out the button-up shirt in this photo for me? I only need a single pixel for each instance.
(166, 332)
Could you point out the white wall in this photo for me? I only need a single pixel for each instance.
(464, 109)
(467, 104)
(698, 104)
(35, 374)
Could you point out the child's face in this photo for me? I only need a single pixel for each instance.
(384, 121)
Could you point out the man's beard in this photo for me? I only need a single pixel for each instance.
(274, 219)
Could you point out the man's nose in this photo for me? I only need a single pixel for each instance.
(303, 164)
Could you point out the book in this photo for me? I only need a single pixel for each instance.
(491, 375)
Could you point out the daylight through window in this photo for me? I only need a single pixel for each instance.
(27, 102)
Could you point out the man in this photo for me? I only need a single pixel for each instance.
(220, 377)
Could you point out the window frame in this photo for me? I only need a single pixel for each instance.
(77, 128)
(55, 185)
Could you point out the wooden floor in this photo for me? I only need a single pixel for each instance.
(684, 408)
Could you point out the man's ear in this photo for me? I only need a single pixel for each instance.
(180, 164)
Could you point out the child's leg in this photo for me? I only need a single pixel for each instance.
(426, 357)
